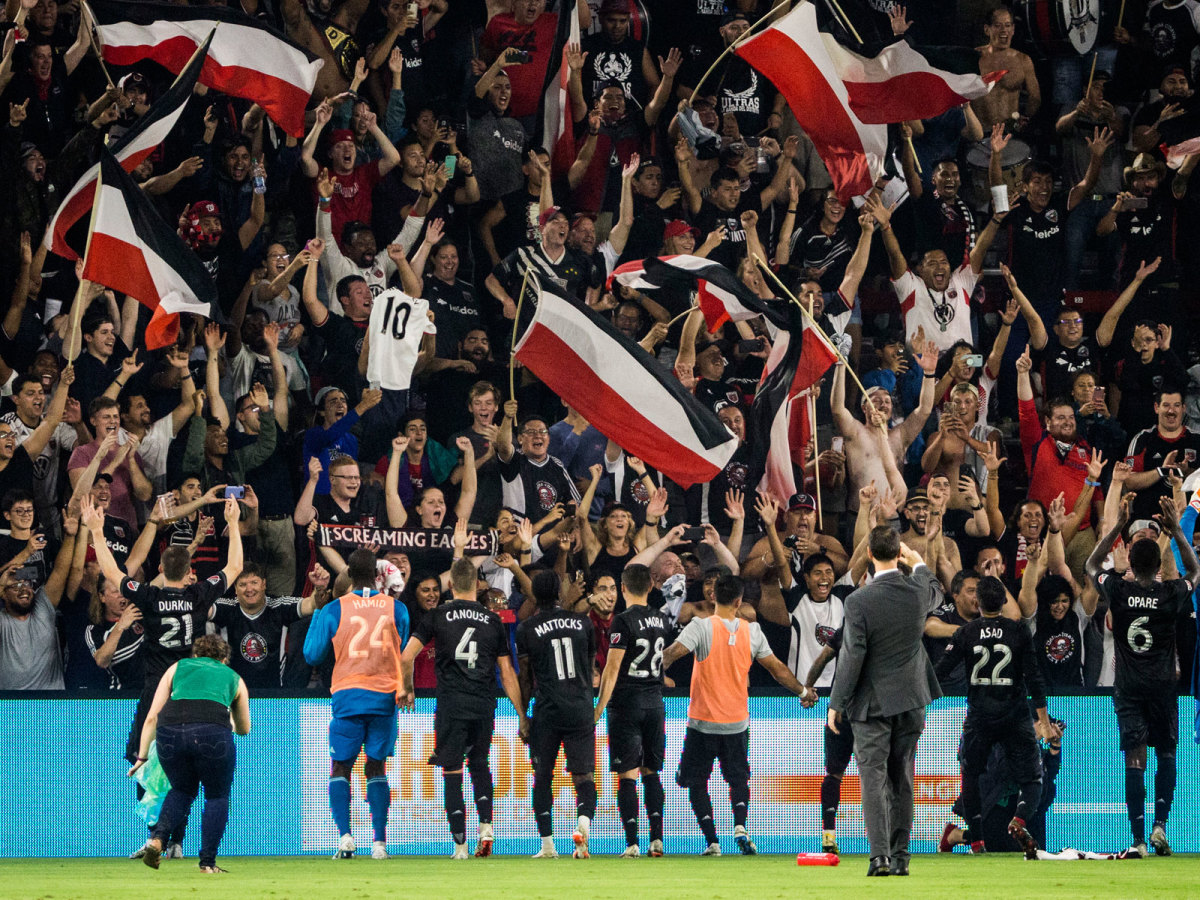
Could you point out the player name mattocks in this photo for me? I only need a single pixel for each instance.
(378, 601)
(457, 615)
(551, 624)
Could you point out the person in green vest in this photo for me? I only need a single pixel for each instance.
(197, 701)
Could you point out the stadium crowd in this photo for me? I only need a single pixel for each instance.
(1024, 368)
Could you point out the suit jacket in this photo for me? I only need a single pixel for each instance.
(883, 669)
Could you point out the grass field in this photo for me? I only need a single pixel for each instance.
(763, 877)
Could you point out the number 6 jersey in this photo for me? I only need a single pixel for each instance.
(1143, 626)
(398, 322)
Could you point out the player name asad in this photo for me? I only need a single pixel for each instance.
(555, 623)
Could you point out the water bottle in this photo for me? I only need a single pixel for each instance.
(260, 183)
(816, 859)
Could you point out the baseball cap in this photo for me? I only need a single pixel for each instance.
(340, 135)
(323, 392)
(917, 493)
(614, 6)
(103, 476)
(132, 81)
(549, 215)
(678, 227)
(801, 501)
(1142, 524)
(734, 17)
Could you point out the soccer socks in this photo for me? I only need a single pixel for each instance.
(1028, 796)
(656, 799)
(481, 785)
(456, 816)
(339, 804)
(702, 806)
(543, 802)
(379, 800)
(1135, 802)
(972, 807)
(585, 799)
(831, 796)
(1164, 786)
(627, 806)
(739, 799)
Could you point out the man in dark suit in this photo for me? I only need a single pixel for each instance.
(884, 683)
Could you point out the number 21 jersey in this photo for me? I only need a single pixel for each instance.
(1143, 625)
(398, 322)
(559, 647)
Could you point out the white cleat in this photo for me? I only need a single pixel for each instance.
(631, 852)
(713, 849)
(173, 851)
(656, 849)
(580, 837)
(379, 850)
(484, 847)
(345, 848)
(1158, 840)
(460, 852)
(548, 850)
(742, 838)
(140, 851)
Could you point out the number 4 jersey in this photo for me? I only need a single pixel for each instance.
(559, 648)
(468, 639)
(1143, 626)
(643, 634)
(398, 322)
(172, 619)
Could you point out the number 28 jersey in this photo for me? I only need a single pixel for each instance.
(1143, 625)
(398, 322)
(559, 647)
(643, 634)
(172, 619)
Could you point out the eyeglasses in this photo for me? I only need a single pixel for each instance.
(279, 256)
(25, 511)
(350, 478)
(1075, 321)
(250, 409)
(535, 432)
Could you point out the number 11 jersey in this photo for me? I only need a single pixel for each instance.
(560, 649)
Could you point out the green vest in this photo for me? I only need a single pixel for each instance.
(203, 678)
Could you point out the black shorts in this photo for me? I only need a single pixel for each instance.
(579, 747)
(1147, 720)
(637, 738)
(838, 748)
(459, 739)
(1015, 735)
(700, 749)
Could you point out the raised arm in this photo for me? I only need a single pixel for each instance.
(1095, 562)
(1108, 325)
(883, 216)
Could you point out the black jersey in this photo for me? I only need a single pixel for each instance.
(256, 642)
(1143, 625)
(532, 488)
(558, 647)
(643, 634)
(468, 639)
(173, 618)
(127, 669)
(1002, 667)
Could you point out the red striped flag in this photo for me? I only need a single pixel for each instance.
(558, 125)
(247, 58)
(622, 390)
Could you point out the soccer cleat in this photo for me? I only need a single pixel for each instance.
(1137, 851)
(345, 848)
(173, 851)
(713, 849)
(829, 842)
(1020, 834)
(548, 850)
(152, 853)
(631, 852)
(1158, 840)
(945, 845)
(379, 850)
(976, 848)
(460, 852)
(580, 837)
(140, 851)
(213, 870)
(656, 849)
(484, 847)
(742, 838)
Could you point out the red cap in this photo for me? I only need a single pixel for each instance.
(340, 135)
(678, 227)
(549, 215)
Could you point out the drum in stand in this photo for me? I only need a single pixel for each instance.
(1012, 162)
(1059, 27)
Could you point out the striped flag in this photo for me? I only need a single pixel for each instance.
(133, 250)
(622, 390)
(1180, 135)
(557, 124)
(66, 234)
(247, 59)
(720, 294)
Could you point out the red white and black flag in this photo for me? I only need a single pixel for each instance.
(247, 58)
(133, 250)
(557, 126)
(623, 391)
(720, 294)
(66, 234)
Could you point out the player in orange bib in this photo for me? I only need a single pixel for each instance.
(366, 631)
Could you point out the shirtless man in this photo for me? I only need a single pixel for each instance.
(326, 29)
(961, 440)
(865, 459)
(1001, 103)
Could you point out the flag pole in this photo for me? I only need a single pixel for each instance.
(686, 312)
(813, 322)
(846, 20)
(1091, 75)
(512, 349)
(812, 419)
(84, 284)
(90, 25)
(1121, 14)
(749, 32)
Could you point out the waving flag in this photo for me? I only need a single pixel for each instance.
(135, 251)
(623, 391)
(247, 59)
(66, 234)
(721, 295)
(557, 124)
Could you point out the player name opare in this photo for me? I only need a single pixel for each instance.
(556, 623)
(1142, 602)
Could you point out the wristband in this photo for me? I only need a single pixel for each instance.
(927, 375)
(792, 211)
(1052, 531)
(324, 199)
(885, 228)
(141, 758)
(996, 221)
(977, 508)
(1091, 483)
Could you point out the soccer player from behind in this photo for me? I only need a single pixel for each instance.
(637, 720)
(470, 642)
(718, 726)
(1144, 613)
(1003, 667)
(366, 631)
(555, 650)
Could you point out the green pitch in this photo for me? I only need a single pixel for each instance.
(763, 877)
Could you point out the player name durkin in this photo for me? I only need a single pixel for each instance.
(551, 624)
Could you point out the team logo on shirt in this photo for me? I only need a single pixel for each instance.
(1060, 647)
(118, 531)
(547, 495)
(254, 648)
(825, 635)
(736, 474)
(640, 492)
(1052, 216)
(1190, 455)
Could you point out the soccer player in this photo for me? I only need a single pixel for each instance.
(367, 631)
(555, 650)
(839, 745)
(637, 722)
(469, 643)
(1003, 671)
(1144, 612)
(718, 726)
